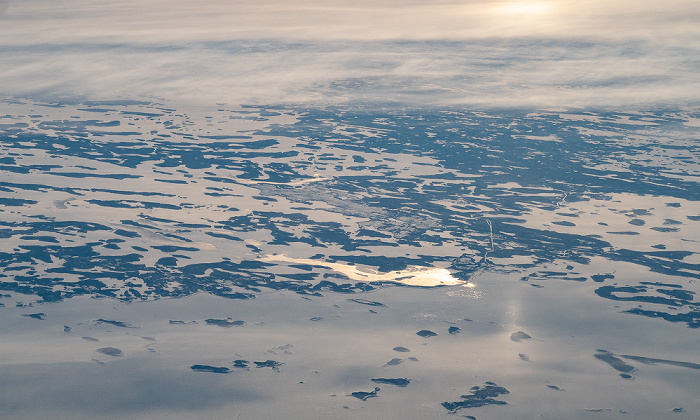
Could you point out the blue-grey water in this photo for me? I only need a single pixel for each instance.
(302, 217)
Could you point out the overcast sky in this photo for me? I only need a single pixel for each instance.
(476, 52)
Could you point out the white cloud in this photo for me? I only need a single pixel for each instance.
(540, 53)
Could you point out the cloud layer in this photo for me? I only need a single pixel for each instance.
(483, 53)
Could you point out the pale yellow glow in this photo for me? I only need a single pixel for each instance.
(412, 276)
(524, 8)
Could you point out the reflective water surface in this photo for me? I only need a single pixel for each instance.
(279, 262)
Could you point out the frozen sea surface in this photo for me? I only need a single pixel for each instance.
(336, 262)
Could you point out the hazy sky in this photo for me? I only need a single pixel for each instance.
(486, 53)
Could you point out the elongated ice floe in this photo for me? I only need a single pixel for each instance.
(316, 178)
(412, 276)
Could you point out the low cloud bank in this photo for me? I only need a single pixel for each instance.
(477, 53)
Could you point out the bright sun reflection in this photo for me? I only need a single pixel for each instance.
(412, 276)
